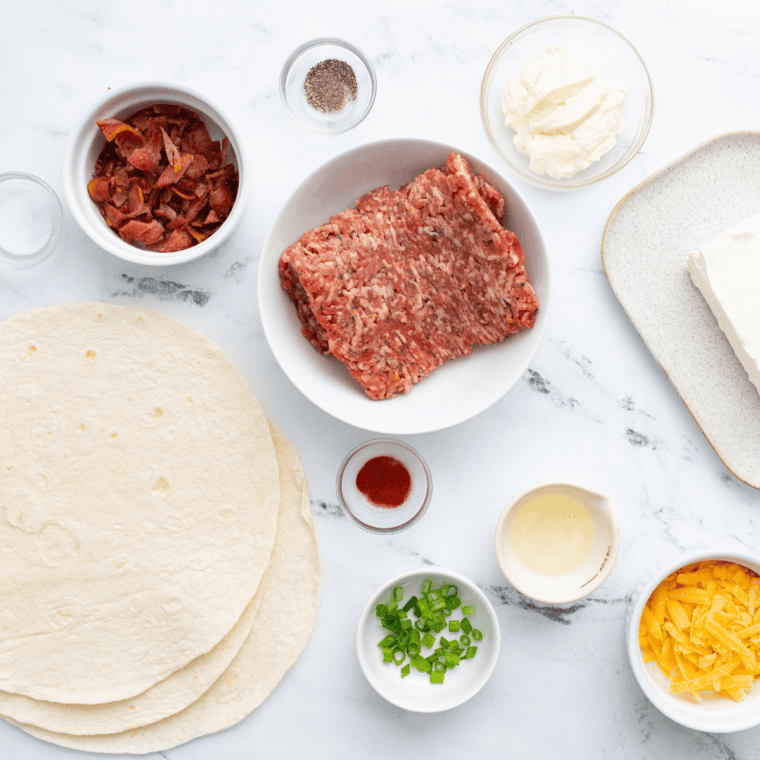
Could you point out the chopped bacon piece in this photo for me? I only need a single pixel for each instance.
(114, 217)
(98, 189)
(173, 154)
(159, 173)
(147, 158)
(177, 241)
(112, 127)
(142, 232)
(172, 174)
(221, 200)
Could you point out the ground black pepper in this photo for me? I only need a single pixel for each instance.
(329, 84)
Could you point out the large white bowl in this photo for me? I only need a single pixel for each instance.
(712, 715)
(454, 392)
(86, 142)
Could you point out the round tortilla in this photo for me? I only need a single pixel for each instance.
(139, 491)
(165, 698)
(289, 608)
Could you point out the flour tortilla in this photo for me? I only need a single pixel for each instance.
(280, 632)
(165, 698)
(139, 491)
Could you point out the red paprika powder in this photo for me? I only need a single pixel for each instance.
(384, 481)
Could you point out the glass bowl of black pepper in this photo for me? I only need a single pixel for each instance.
(384, 486)
(328, 85)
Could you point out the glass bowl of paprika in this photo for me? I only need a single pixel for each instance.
(384, 486)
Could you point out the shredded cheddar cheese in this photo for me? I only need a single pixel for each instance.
(701, 626)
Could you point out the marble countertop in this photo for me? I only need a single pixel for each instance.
(593, 408)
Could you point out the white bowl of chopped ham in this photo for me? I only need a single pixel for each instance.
(154, 173)
(398, 286)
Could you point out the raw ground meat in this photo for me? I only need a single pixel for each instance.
(411, 278)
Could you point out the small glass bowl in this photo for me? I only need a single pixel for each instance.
(294, 74)
(361, 511)
(31, 220)
(600, 47)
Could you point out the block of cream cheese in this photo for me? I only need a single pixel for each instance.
(727, 272)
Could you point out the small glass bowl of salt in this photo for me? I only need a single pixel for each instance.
(31, 220)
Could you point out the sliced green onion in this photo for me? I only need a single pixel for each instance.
(387, 641)
(414, 647)
(444, 642)
(381, 610)
(444, 588)
(411, 603)
(439, 667)
(453, 626)
(471, 651)
(421, 626)
(399, 656)
(451, 659)
(426, 586)
(465, 640)
(433, 658)
(428, 640)
(405, 670)
(446, 612)
(468, 610)
(466, 625)
(387, 655)
(452, 602)
(437, 677)
(477, 635)
(392, 606)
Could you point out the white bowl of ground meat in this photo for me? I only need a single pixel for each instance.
(154, 173)
(404, 286)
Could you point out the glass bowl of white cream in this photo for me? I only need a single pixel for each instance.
(566, 102)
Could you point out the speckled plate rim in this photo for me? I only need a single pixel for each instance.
(620, 290)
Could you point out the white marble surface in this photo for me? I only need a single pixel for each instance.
(593, 408)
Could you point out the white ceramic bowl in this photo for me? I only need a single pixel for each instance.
(454, 392)
(415, 692)
(597, 45)
(567, 588)
(86, 142)
(711, 715)
(370, 517)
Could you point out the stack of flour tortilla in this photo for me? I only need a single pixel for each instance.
(158, 560)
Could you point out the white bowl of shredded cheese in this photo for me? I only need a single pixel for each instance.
(703, 629)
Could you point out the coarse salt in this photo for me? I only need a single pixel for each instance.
(26, 224)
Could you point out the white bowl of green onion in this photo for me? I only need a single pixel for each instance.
(428, 640)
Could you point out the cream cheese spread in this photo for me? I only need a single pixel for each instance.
(565, 115)
(727, 272)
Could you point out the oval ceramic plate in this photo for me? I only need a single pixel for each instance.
(646, 241)
(455, 391)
